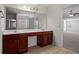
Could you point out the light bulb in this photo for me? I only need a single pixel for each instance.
(71, 15)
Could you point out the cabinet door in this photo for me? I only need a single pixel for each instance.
(22, 43)
(50, 40)
(10, 44)
(45, 38)
(39, 40)
(42, 39)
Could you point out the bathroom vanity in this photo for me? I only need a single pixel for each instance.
(21, 24)
(18, 43)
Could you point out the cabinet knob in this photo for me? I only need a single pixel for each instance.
(16, 40)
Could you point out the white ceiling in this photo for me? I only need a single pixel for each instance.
(51, 5)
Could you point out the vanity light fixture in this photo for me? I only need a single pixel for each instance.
(1, 14)
(27, 7)
(71, 15)
(31, 8)
(24, 6)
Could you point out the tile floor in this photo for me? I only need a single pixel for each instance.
(49, 50)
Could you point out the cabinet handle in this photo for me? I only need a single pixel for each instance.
(16, 40)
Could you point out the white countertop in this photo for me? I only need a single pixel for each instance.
(7, 32)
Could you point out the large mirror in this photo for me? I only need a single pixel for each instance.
(20, 19)
(27, 21)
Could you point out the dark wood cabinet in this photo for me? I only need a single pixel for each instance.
(50, 37)
(39, 40)
(18, 43)
(45, 39)
(10, 44)
(22, 43)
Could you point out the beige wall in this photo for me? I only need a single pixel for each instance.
(1, 24)
(55, 23)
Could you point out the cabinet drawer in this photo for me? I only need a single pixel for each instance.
(39, 33)
(22, 35)
(10, 36)
(45, 33)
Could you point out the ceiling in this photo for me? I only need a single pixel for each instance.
(52, 5)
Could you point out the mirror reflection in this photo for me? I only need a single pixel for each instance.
(20, 19)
